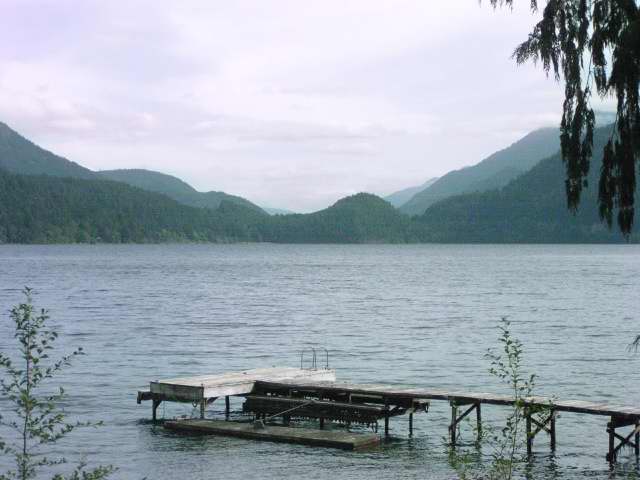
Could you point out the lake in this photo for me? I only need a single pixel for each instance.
(419, 315)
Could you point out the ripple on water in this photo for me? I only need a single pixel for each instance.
(408, 315)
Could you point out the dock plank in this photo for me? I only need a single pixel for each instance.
(303, 436)
(391, 391)
(237, 383)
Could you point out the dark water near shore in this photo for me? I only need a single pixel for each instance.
(414, 315)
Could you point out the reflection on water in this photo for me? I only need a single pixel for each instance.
(408, 315)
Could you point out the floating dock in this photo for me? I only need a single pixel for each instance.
(303, 436)
(314, 394)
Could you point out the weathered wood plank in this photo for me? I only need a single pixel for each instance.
(456, 396)
(192, 389)
(303, 436)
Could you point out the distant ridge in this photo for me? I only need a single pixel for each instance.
(360, 218)
(493, 172)
(173, 187)
(21, 156)
(530, 209)
(48, 208)
(403, 196)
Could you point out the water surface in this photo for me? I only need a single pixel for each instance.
(411, 315)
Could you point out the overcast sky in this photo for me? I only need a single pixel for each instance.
(292, 104)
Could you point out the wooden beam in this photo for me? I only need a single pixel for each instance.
(411, 424)
(529, 434)
(154, 407)
(453, 424)
(552, 430)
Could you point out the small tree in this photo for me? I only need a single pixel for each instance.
(508, 443)
(35, 418)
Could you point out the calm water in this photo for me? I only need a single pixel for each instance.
(414, 315)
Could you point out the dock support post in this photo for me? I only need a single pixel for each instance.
(227, 408)
(203, 404)
(154, 408)
(321, 423)
(386, 418)
(454, 424)
(527, 414)
(611, 455)
(552, 430)
(618, 422)
(455, 419)
(411, 424)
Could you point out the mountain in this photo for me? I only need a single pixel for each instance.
(493, 172)
(361, 218)
(403, 196)
(173, 187)
(530, 209)
(277, 211)
(19, 155)
(47, 209)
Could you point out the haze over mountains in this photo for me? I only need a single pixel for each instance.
(174, 188)
(495, 171)
(399, 198)
(509, 197)
(19, 155)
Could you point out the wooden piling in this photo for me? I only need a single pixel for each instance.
(552, 430)
(612, 442)
(154, 407)
(529, 434)
(454, 424)
(411, 424)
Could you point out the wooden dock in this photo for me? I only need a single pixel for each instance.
(342, 439)
(314, 393)
(620, 415)
(205, 389)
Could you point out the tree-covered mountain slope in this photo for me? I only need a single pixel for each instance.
(401, 197)
(493, 172)
(47, 209)
(19, 155)
(530, 209)
(173, 187)
(361, 218)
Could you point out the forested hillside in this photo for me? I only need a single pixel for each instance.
(399, 198)
(61, 208)
(174, 188)
(45, 209)
(493, 172)
(530, 209)
(361, 218)
(19, 155)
